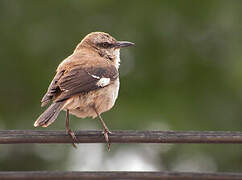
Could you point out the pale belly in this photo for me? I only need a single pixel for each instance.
(103, 99)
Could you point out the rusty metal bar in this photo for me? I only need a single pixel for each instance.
(57, 175)
(34, 136)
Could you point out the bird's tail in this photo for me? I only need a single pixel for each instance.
(50, 115)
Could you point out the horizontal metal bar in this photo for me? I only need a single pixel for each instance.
(57, 175)
(30, 136)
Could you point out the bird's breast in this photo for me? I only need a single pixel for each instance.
(103, 99)
(107, 96)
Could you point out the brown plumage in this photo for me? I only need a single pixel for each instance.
(86, 83)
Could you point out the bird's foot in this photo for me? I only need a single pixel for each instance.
(73, 136)
(105, 133)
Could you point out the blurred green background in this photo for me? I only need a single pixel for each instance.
(185, 73)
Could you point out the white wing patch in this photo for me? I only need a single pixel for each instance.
(103, 82)
(96, 77)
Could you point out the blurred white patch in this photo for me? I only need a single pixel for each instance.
(96, 158)
(86, 157)
(130, 160)
(199, 163)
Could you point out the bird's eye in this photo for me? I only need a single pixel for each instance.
(105, 45)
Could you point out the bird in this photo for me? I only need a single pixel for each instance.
(86, 83)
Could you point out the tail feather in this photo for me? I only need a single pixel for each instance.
(50, 115)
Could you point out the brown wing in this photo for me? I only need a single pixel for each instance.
(81, 80)
(77, 81)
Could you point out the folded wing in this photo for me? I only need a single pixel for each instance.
(79, 80)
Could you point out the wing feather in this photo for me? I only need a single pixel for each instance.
(53, 89)
(78, 80)
(83, 80)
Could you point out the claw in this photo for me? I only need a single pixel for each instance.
(74, 138)
(105, 133)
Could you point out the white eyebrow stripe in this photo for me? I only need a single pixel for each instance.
(103, 82)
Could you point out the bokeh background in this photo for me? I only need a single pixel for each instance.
(185, 73)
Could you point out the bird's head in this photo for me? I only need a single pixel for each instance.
(104, 44)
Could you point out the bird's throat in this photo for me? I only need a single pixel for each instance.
(117, 58)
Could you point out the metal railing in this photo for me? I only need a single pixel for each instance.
(29, 136)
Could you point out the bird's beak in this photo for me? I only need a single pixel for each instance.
(120, 44)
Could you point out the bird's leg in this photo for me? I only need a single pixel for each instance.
(105, 128)
(69, 131)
